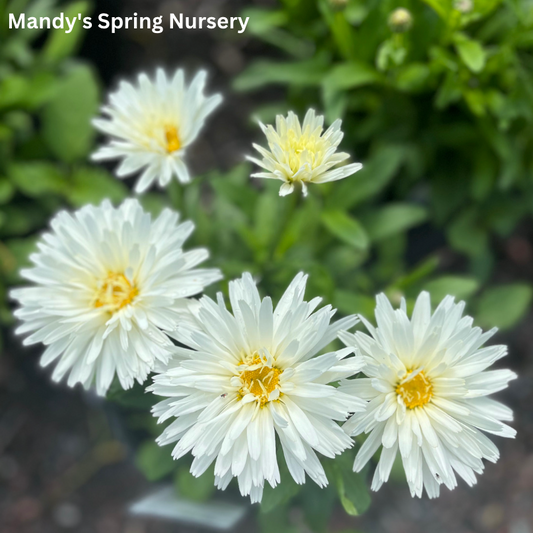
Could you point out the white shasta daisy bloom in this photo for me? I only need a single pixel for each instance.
(152, 125)
(108, 285)
(303, 153)
(250, 375)
(427, 389)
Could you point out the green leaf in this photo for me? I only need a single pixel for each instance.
(420, 272)
(67, 128)
(471, 52)
(36, 179)
(449, 92)
(352, 490)
(505, 305)
(318, 505)
(442, 7)
(283, 493)
(13, 90)
(476, 101)
(153, 461)
(198, 489)
(19, 219)
(60, 44)
(16, 255)
(261, 73)
(467, 235)
(413, 77)
(267, 221)
(350, 75)
(350, 303)
(263, 20)
(92, 185)
(133, 399)
(376, 173)
(346, 228)
(392, 219)
(6, 191)
(459, 286)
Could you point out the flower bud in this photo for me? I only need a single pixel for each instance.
(338, 5)
(464, 6)
(400, 20)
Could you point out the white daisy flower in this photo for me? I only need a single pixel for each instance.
(109, 284)
(301, 153)
(427, 390)
(152, 125)
(250, 375)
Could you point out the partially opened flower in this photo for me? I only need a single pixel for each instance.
(250, 375)
(152, 125)
(427, 389)
(302, 154)
(108, 285)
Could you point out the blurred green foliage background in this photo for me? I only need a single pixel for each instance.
(437, 102)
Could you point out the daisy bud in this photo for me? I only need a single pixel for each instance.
(400, 20)
(464, 6)
(338, 5)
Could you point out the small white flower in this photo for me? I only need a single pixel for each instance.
(251, 375)
(152, 125)
(427, 390)
(109, 284)
(302, 154)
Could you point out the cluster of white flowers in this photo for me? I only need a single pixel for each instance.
(111, 290)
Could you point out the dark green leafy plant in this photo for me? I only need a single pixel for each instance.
(47, 100)
(450, 94)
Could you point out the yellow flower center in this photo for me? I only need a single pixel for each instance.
(173, 140)
(415, 391)
(296, 145)
(115, 293)
(259, 379)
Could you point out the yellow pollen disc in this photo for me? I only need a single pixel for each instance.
(260, 381)
(115, 293)
(416, 392)
(173, 140)
(297, 144)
